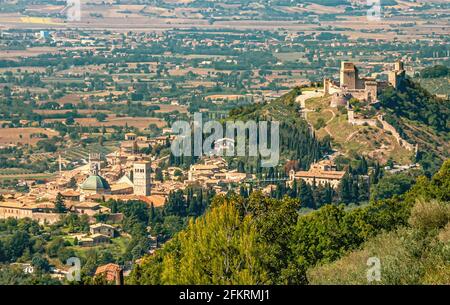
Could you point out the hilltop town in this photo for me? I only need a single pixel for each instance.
(87, 110)
(132, 173)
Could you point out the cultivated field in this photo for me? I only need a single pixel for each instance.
(140, 122)
(224, 96)
(23, 135)
(30, 52)
(62, 111)
(163, 108)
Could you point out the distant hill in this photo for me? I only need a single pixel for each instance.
(346, 2)
(372, 141)
(418, 117)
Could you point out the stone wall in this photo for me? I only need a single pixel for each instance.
(49, 218)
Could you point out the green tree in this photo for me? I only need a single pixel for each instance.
(72, 183)
(391, 185)
(59, 204)
(158, 174)
(40, 263)
(305, 195)
(217, 249)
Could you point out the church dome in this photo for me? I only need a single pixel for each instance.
(95, 182)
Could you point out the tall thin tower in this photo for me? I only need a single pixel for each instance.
(141, 178)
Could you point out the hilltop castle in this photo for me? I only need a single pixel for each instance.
(351, 85)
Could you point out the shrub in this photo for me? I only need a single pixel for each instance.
(429, 215)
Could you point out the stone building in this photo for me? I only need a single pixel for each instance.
(395, 76)
(95, 184)
(16, 210)
(339, 99)
(111, 273)
(141, 178)
(349, 76)
(321, 173)
(351, 85)
(102, 228)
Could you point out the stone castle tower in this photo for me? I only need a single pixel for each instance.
(141, 178)
(348, 75)
(326, 86)
(397, 74)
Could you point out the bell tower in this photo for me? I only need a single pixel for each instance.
(141, 178)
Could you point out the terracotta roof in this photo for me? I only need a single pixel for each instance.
(204, 167)
(157, 200)
(84, 204)
(108, 268)
(99, 225)
(70, 193)
(120, 186)
(142, 162)
(45, 205)
(16, 205)
(128, 144)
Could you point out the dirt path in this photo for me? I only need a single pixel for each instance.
(332, 118)
(329, 121)
(350, 136)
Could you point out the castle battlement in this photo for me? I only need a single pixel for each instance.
(364, 89)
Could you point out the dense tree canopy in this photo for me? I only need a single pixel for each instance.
(264, 240)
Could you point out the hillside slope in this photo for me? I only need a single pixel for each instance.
(297, 142)
(372, 141)
(388, 130)
(413, 254)
(420, 118)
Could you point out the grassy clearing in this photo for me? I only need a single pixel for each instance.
(317, 102)
(117, 247)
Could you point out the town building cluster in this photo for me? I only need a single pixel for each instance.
(127, 175)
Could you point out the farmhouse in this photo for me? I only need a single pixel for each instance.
(111, 272)
(93, 240)
(103, 229)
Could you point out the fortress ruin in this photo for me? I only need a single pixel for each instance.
(351, 85)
